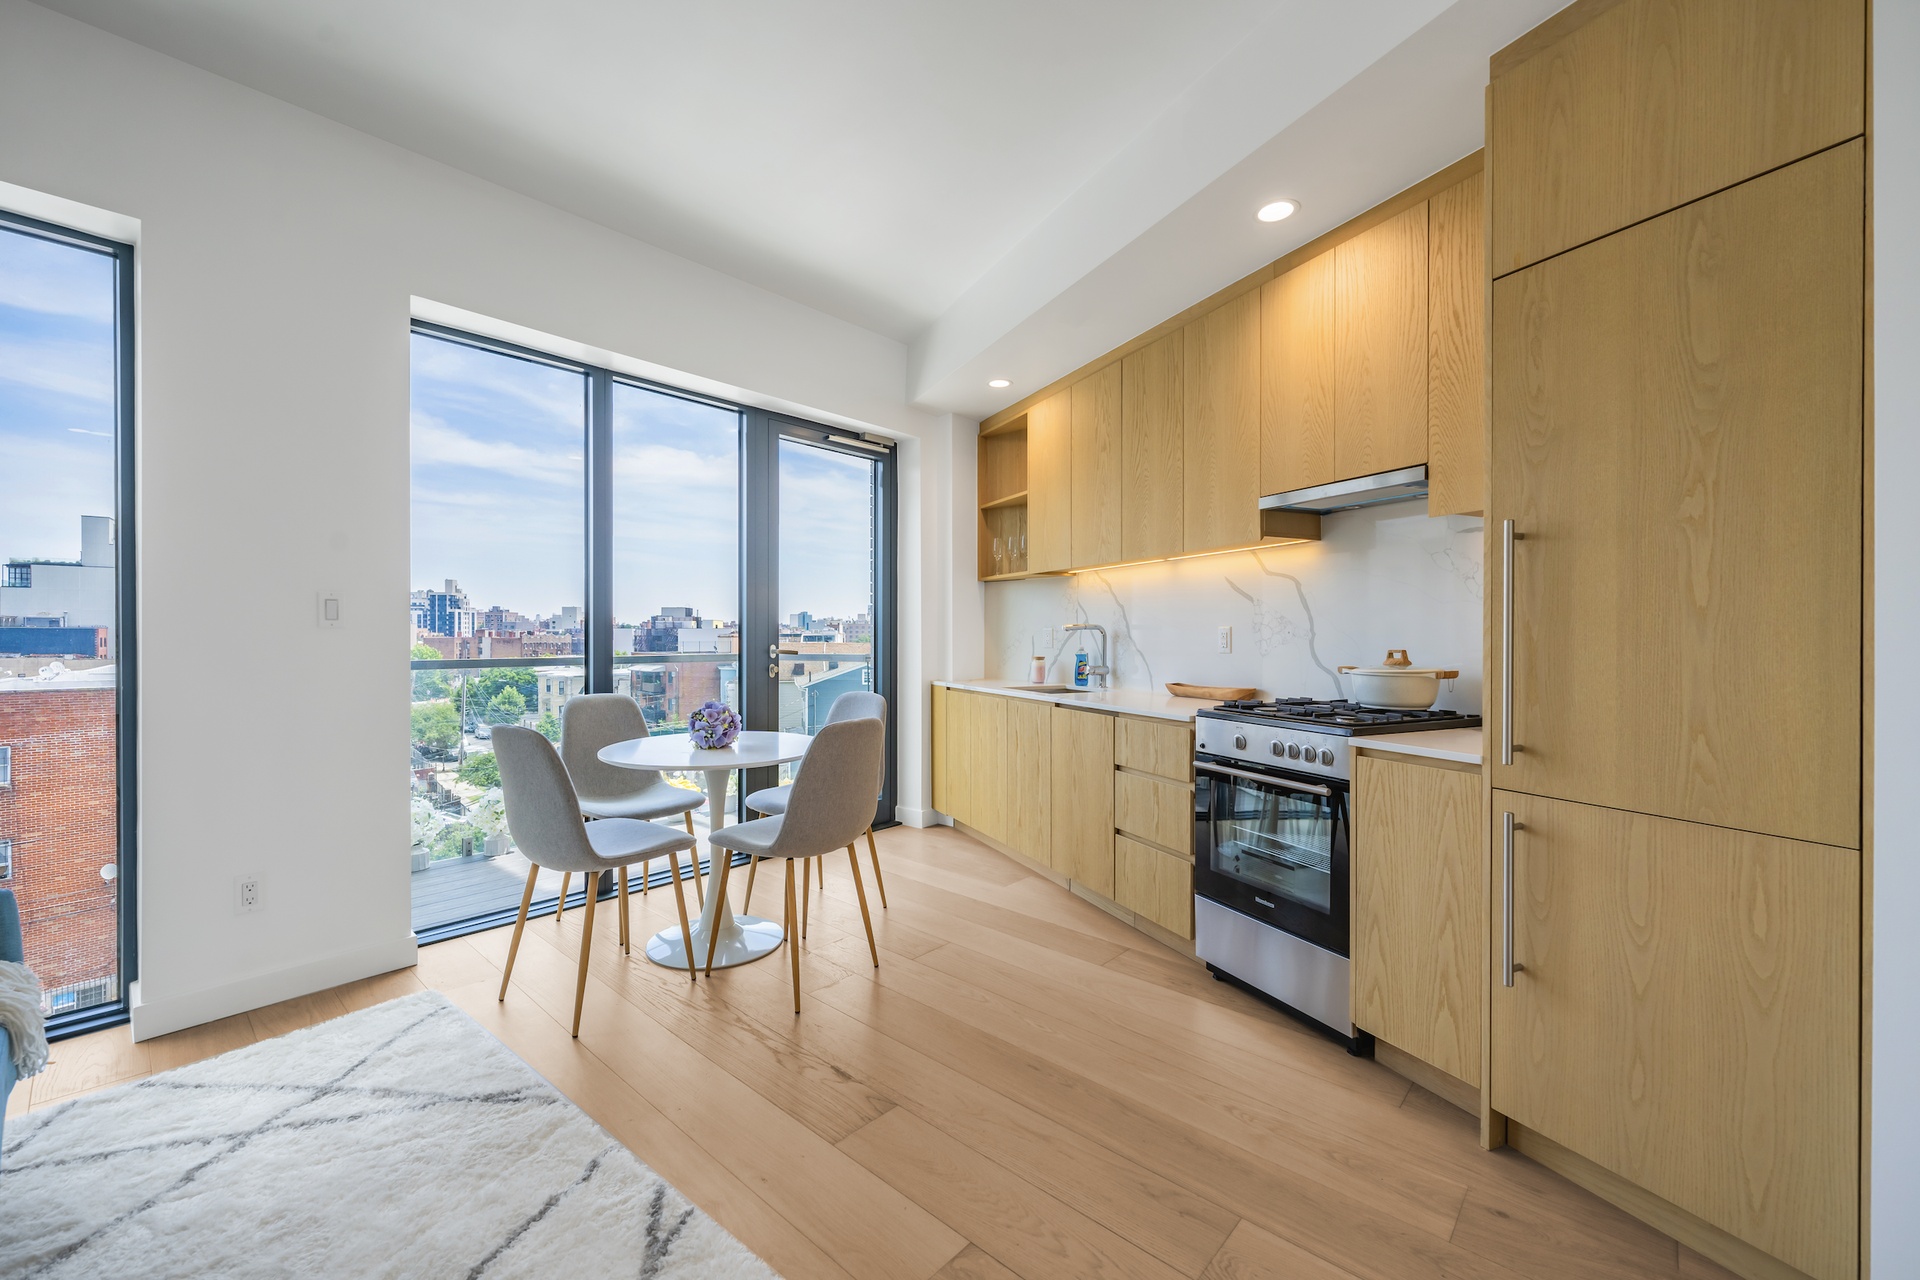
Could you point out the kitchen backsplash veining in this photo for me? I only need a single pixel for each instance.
(1382, 578)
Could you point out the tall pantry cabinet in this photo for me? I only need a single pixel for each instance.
(1675, 665)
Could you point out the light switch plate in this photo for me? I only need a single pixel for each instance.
(1043, 642)
(1225, 644)
(327, 609)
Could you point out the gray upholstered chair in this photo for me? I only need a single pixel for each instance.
(830, 805)
(858, 704)
(543, 814)
(593, 721)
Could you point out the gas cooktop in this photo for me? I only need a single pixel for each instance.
(1340, 716)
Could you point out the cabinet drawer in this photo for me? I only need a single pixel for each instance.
(1156, 747)
(1153, 884)
(1155, 811)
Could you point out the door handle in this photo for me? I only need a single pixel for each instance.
(1268, 779)
(1507, 538)
(1509, 966)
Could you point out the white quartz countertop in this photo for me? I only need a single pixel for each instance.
(1462, 745)
(1129, 702)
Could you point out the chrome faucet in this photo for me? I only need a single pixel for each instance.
(1102, 669)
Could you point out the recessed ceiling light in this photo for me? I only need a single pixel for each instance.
(1277, 210)
(997, 383)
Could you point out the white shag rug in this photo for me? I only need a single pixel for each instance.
(400, 1141)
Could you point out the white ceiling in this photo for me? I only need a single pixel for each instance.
(938, 171)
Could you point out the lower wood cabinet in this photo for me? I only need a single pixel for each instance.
(987, 761)
(1029, 815)
(1154, 809)
(1153, 883)
(1082, 817)
(1419, 911)
(1687, 1017)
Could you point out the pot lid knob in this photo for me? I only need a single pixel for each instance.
(1397, 658)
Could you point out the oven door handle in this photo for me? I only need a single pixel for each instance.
(1268, 778)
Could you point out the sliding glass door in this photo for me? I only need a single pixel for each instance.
(66, 732)
(577, 531)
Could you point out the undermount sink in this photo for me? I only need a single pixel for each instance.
(1040, 688)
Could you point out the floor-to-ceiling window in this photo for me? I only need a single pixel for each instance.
(66, 814)
(643, 504)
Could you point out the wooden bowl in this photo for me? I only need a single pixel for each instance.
(1218, 692)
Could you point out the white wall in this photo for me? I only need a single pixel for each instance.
(1895, 1133)
(277, 256)
(1382, 578)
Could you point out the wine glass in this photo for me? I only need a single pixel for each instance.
(1020, 556)
(999, 556)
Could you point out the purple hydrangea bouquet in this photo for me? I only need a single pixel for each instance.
(713, 724)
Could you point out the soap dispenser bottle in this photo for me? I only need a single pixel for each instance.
(1082, 670)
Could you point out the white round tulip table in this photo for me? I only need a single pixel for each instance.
(742, 938)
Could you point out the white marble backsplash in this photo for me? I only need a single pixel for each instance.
(1384, 578)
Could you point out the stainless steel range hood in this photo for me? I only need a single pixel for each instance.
(1344, 495)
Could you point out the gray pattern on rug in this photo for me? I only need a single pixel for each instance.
(400, 1141)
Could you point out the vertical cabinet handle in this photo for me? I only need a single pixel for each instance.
(1507, 538)
(1508, 965)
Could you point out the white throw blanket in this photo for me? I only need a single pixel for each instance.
(20, 1015)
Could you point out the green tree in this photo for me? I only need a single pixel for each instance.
(428, 685)
(481, 770)
(550, 726)
(505, 707)
(436, 726)
(486, 685)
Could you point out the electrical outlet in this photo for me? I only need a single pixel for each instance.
(246, 895)
(1225, 643)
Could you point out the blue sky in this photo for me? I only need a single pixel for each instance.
(498, 481)
(56, 395)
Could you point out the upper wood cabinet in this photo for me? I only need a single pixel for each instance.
(1380, 347)
(1222, 426)
(1457, 349)
(1097, 466)
(1677, 438)
(1153, 478)
(1608, 114)
(1297, 377)
(1688, 1017)
(1050, 484)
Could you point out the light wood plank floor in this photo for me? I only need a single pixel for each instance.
(1025, 1087)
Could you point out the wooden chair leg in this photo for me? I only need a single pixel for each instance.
(565, 879)
(626, 936)
(793, 943)
(806, 894)
(699, 888)
(753, 869)
(873, 856)
(680, 901)
(513, 948)
(865, 919)
(822, 863)
(586, 947)
(713, 939)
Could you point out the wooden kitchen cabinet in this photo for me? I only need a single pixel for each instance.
(1688, 1018)
(1457, 349)
(1153, 476)
(1221, 427)
(1154, 810)
(1153, 883)
(987, 762)
(1050, 484)
(952, 767)
(1097, 468)
(1297, 377)
(1608, 114)
(1029, 812)
(1163, 748)
(1677, 436)
(1380, 347)
(1419, 910)
(1082, 797)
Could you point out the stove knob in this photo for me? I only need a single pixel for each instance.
(1239, 742)
(1293, 751)
(1280, 748)
(1326, 756)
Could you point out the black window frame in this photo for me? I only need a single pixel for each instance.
(126, 666)
(758, 600)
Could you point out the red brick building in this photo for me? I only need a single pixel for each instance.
(59, 828)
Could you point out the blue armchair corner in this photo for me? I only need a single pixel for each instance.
(10, 949)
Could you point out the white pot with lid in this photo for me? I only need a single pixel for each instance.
(1396, 684)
